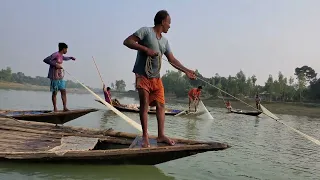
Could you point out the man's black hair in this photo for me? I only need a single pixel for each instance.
(108, 88)
(199, 87)
(160, 16)
(62, 46)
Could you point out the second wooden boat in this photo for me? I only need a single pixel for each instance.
(135, 108)
(250, 113)
(47, 116)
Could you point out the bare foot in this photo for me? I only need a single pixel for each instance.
(165, 139)
(66, 109)
(55, 109)
(145, 143)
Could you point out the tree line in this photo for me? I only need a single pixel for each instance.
(303, 86)
(19, 77)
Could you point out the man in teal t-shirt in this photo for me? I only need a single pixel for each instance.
(151, 45)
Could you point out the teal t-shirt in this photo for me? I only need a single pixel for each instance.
(149, 39)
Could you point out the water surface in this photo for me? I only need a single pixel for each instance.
(261, 147)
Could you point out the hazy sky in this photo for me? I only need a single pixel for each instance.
(259, 37)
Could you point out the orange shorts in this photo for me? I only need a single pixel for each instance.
(153, 86)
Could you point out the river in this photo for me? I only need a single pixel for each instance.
(261, 147)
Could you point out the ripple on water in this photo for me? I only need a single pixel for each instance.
(261, 147)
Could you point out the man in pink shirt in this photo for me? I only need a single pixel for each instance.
(107, 94)
(56, 75)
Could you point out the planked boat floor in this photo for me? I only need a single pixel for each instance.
(22, 136)
(45, 142)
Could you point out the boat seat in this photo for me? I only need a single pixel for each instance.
(137, 143)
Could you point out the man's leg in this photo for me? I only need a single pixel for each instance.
(144, 105)
(64, 99)
(62, 88)
(161, 118)
(157, 99)
(54, 91)
(54, 101)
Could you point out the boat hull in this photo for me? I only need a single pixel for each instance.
(169, 112)
(43, 142)
(249, 113)
(47, 116)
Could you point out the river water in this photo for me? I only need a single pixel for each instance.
(261, 147)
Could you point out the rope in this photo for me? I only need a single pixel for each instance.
(299, 132)
(126, 118)
(148, 67)
(101, 79)
(222, 98)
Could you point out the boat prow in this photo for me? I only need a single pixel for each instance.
(43, 142)
(47, 116)
(250, 113)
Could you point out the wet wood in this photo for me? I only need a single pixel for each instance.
(47, 116)
(22, 140)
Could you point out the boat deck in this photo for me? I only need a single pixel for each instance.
(44, 142)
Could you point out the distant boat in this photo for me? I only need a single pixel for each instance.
(135, 109)
(250, 113)
(47, 116)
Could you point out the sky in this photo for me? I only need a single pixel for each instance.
(258, 37)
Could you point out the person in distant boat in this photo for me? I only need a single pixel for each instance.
(258, 100)
(151, 45)
(107, 94)
(56, 75)
(194, 97)
(228, 104)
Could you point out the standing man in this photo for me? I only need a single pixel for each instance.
(56, 75)
(151, 45)
(194, 97)
(258, 102)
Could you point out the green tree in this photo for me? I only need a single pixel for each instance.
(120, 85)
(309, 74)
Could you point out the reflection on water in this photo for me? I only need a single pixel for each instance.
(79, 172)
(256, 122)
(262, 148)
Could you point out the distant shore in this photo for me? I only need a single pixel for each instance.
(29, 87)
(290, 108)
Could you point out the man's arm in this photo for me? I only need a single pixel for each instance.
(175, 63)
(48, 60)
(132, 43)
(65, 58)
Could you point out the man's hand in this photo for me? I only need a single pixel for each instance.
(151, 52)
(73, 58)
(191, 74)
(59, 66)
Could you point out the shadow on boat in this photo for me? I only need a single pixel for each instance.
(80, 172)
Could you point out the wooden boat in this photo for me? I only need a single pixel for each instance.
(250, 113)
(23, 141)
(135, 109)
(47, 116)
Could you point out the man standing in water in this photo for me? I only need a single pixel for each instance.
(56, 75)
(194, 97)
(151, 45)
(258, 100)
